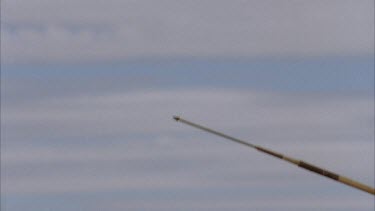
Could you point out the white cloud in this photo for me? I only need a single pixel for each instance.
(86, 31)
(284, 203)
(170, 155)
(151, 112)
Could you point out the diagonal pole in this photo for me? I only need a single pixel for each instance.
(300, 163)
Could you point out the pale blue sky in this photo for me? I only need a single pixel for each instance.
(88, 99)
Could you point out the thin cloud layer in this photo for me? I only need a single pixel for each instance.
(150, 112)
(87, 31)
(128, 144)
(136, 127)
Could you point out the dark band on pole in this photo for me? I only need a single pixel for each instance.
(275, 154)
(318, 170)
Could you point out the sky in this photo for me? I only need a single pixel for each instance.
(89, 88)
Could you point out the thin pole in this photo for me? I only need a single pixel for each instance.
(300, 163)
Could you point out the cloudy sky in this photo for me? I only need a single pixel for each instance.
(89, 89)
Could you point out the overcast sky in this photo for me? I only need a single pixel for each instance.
(46, 31)
(89, 89)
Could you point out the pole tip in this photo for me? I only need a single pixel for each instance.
(177, 118)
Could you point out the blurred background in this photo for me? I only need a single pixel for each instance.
(88, 90)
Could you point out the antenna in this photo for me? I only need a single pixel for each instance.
(300, 163)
